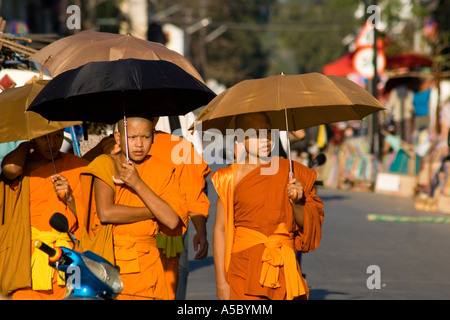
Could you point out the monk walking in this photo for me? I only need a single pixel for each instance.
(190, 172)
(262, 217)
(138, 199)
(32, 193)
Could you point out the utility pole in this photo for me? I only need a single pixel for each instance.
(372, 85)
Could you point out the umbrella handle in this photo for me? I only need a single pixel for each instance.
(291, 173)
(51, 153)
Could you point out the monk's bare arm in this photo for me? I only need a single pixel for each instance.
(200, 241)
(295, 194)
(223, 288)
(160, 209)
(299, 214)
(13, 162)
(109, 212)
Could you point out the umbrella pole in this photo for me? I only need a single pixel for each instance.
(291, 174)
(51, 153)
(126, 135)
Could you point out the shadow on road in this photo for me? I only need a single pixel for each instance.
(321, 294)
(197, 264)
(333, 197)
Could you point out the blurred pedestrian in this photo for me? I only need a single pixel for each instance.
(422, 106)
(401, 103)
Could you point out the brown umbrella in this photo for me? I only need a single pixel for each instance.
(292, 102)
(302, 101)
(16, 124)
(89, 46)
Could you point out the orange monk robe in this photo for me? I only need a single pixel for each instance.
(190, 171)
(260, 225)
(135, 247)
(43, 204)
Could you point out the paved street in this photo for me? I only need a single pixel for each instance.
(412, 257)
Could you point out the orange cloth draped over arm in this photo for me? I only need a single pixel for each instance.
(223, 181)
(15, 234)
(308, 238)
(190, 169)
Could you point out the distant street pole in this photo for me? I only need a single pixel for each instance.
(373, 123)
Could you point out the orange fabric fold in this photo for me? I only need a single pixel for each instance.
(190, 169)
(278, 252)
(128, 250)
(190, 172)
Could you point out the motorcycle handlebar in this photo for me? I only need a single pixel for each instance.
(52, 253)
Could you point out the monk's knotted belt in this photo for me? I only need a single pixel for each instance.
(127, 249)
(41, 272)
(278, 252)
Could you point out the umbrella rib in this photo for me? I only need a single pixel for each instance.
(344, 96)
(350, 102)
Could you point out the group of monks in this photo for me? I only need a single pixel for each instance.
(132, 205)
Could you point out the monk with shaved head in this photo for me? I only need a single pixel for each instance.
(138, 198)
(262, 217)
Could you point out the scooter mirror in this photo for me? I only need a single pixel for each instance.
(319, 160)
(59, 222)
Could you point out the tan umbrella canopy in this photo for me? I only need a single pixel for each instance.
(89, 46)
(16, 124)
(292, 102)
(298, 101)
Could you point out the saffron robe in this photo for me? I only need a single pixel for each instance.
(259, 203)
(190, 172)
(43, 203)
(135, 249)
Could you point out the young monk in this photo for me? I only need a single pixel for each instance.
(37, 193)
(138, 199)
(262, 216)
(190, 173)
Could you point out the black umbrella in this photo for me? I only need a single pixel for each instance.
(108, 91)
(102, 91)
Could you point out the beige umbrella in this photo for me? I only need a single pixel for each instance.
(300, 101)
(292, 102)
(89, 46)
(16, 124)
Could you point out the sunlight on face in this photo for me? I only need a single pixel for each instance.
(140, 137)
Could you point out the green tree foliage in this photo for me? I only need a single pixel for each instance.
(318, 28)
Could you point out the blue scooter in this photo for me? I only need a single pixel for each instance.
(88, 276)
